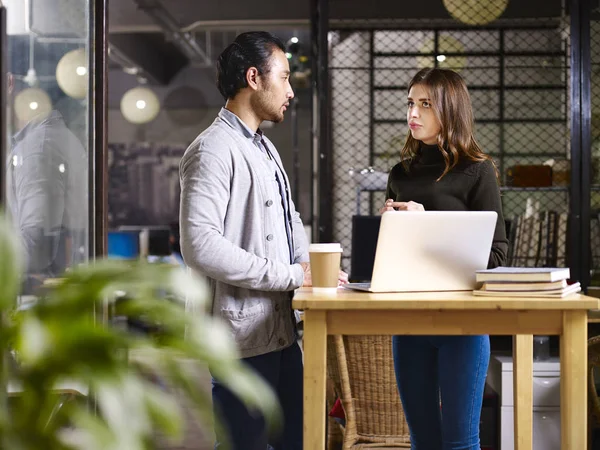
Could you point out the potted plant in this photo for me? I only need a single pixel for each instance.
(67, 377)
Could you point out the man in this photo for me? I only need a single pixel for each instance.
(240, 229)
(47, 195)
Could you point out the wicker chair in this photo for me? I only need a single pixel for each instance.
(362, 372)
(593, 400)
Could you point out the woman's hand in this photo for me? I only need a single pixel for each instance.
(391, 205)
(342, 276)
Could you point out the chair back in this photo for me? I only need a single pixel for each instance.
(367, 385)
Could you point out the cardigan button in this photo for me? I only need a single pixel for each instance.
(269, 237)
(269, 202)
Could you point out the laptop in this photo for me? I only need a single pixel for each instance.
(430, 251)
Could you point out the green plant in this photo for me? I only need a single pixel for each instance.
(65, 338)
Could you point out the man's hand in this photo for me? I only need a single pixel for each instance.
(307, 275)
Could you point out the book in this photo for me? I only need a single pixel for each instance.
(562, 230)
(557, 293)
(525, 286)
(521, 274)
(542, 260)
(525, 244)
(533, 252)
(552, 239)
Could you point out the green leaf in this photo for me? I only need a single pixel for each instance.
(63, 341)
(11, 255)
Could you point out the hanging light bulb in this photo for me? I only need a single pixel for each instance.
(140, 105)
(475, 12)
(446, 44)
(31, 103)
(72, 74)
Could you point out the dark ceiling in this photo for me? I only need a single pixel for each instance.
(160, 37)
(131, 22)
(124, 15)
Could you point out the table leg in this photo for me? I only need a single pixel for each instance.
(523, 391)
(573, 381)
(315, 372)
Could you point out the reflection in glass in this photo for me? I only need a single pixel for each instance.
(71, 73)
(47, 160)
(140, 105)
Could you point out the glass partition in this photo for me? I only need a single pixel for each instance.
(48, 182)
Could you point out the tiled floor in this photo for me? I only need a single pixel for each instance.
(197, 437)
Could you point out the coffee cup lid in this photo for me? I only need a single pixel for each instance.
(325, 248)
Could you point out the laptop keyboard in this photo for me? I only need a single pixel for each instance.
(361, 287)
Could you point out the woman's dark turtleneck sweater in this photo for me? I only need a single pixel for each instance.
(469, 186)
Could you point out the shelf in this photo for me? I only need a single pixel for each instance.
(496, 54)
(482, 87)
(528, 155)
(505, 121)
(370, 190)
(507, 188)
(515, 189)
(534, 189)
(496, 156)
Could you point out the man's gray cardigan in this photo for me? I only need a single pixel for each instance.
(232, 232)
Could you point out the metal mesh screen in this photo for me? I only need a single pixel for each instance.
(518, 78)
(595, 169)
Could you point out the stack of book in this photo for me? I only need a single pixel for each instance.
(546, 282)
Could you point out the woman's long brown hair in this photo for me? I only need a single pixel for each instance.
(452, 107)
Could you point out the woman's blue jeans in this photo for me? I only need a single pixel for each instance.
(446, 369)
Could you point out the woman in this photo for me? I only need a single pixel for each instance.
(443, 168)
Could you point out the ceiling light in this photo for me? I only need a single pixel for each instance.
(71, 74)
(475, 12)
(131, 70)
(31, 103)
(31, 78)
(446, 44)
(140, 105)
(294, 40)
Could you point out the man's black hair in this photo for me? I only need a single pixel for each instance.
(252, 49)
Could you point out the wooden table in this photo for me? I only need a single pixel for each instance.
(454, 313)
